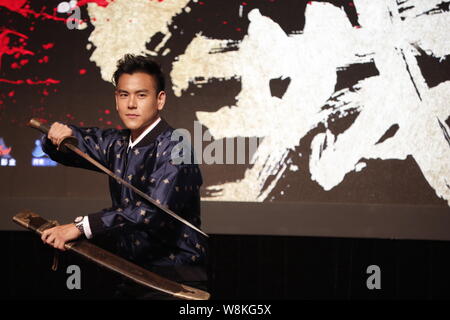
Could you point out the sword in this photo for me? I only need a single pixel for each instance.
(35, 222)
(72, 142)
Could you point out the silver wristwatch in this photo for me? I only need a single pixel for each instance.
(79, 223)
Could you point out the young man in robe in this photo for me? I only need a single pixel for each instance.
(142, 155)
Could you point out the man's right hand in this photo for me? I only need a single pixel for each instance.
(58, 132)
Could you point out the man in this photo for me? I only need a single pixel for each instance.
(141, 155)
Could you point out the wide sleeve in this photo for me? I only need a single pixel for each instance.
(93, 141)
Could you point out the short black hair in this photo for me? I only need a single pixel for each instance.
(132, 63)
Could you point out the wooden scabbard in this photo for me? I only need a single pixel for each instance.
(36, 223)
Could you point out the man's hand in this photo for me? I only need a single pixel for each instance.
(58, 236)
(58, 132)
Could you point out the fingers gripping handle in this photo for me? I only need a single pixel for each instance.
(35, 123)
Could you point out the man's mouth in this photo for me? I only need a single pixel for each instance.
(131, 115)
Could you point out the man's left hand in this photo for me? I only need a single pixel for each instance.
(58, 236)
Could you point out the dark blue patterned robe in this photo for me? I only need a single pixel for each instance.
(143, 233)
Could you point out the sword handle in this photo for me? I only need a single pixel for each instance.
(35, 123)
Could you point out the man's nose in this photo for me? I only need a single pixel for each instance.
(132, 102)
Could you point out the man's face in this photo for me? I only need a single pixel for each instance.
(137, 101)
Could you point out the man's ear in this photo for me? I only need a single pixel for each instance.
(161, 100)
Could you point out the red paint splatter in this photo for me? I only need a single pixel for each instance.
(45, 92)
(108, 123)
(47, 46)
(244, 3)
(29, 81)
(19, 65)
(18, 7)
(82, 71)
(224, 22)
(201, 3)
(5, 47)
(13, 5)
(43, 60)
(11, 93)
(100, 119)
(238, 29)
(107, 111)
(101, 3)
(81, 123)
(119, 127)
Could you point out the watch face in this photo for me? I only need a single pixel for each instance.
(78, 219)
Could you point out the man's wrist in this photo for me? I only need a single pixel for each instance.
(78, 222)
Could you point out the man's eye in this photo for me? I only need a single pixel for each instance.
(123, 95)
(142, 95)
